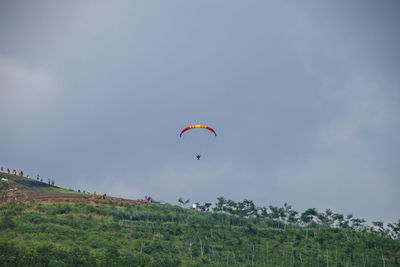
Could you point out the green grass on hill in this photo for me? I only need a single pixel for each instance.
(33, 188)
(120, 234)
(82, 234)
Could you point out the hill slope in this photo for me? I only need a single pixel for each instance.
(47, 226)
(21, 189)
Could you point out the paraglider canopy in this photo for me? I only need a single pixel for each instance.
(198, 126)
(198, 142)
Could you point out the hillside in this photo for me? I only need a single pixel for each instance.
(43, 225)
(23, 189)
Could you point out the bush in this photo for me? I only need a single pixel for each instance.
(6, 222)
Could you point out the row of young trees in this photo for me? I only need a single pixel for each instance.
(311, 217)
(121, 234)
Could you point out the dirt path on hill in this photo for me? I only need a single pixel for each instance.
(16, 195)
(88, 199)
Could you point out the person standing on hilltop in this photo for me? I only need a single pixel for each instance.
(1, 169)
(148, 200)
(8, 171)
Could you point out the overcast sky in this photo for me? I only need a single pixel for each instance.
(304, 96)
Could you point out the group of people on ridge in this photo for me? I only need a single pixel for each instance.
(21, 173)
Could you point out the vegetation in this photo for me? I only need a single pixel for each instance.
(27, 188)
(108, 233)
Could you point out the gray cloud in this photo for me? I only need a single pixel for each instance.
(25, 91)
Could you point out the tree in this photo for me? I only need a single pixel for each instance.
(220, 205)
(231, 207)
(292, 217)
(246, 209)
(358, 224)
(289, 215)
(183, 202)
(326, 218)
(263, 212)
(338, 219)
(307, 217)
(204, 207)
(395, 229)
(380, 227)
(275, 212)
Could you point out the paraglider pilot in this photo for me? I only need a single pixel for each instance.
(198, 157)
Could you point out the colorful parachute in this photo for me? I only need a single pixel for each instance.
(198, 126)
